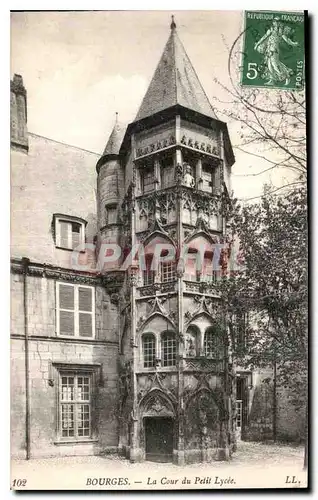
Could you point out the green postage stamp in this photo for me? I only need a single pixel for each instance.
(273, 50)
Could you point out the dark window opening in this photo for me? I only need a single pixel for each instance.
(209, 274)
(147, 179)
(111, 214)
(167, 171)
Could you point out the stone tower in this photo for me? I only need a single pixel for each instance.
(167, 178)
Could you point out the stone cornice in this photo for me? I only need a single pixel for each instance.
(52, 272)
(63, 340)
(112, 281)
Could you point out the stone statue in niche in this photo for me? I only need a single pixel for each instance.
(190, 348)
(188, 178)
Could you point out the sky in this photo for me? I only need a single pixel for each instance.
(80, 68)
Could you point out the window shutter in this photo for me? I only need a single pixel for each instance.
(66, 323)
(85, 299)
(85, 325)
(85, 303)
(64, 234)
(66, 293)
(75, 310)
(76, 234)
(66, 301)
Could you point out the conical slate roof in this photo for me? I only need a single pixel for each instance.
(174, 82)
(115, 139)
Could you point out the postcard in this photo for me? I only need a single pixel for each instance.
(159, 290)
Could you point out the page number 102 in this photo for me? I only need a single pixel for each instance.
(18, 482)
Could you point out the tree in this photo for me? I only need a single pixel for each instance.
(270, 127)
(271, 287)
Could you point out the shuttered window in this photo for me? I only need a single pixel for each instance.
(75, 310)
(69, 235)
(64, 234)
(76, 234)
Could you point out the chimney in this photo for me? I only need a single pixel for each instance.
(19, 132)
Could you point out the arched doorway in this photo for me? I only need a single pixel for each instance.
(158, 427)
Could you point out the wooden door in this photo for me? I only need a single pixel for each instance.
(159, 439)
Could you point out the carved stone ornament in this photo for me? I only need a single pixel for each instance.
(167, 141)
(114, 298)
(173, 315)
(133, 280)
(147, 291)
(180, 270)
(179, 173)
(204, 364)
(157, 406)
(56, 273)
(157, 403)
(140, 321)
(204, 306)
(202, 146)
(188, 315)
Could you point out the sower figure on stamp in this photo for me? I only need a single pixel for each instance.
(276, 70)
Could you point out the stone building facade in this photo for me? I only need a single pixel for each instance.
(127, 355)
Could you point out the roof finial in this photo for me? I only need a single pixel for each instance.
(173, 25)
(116, 118)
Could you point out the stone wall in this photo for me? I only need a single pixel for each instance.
(18, 402)
(41, 294)
(43, 397)
(290, 421)
(259, 425)
(45, 350)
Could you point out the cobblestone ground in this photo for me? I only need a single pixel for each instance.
(256, 458)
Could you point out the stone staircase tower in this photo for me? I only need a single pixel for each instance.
(176, 379)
